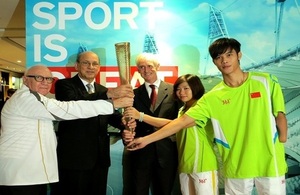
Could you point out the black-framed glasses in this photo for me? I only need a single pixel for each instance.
(39, 78)
(87, 63)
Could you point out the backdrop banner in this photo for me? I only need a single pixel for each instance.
(179, 32)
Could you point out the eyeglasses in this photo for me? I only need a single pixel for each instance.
(39, 78)
(87, 63)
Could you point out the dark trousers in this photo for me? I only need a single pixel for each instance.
(127, 175)
(82, 182)
(159, 179)
(139, 178)
(40, 189)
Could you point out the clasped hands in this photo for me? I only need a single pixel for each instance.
(127, 135)
(130, 123)
(122, 96)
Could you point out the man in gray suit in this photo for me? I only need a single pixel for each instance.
(156, 164)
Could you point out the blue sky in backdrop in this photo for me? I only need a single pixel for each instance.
(175, 24)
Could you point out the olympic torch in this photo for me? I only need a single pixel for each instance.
(123, 60)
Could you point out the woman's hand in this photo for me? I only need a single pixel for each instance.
(128, 136)
(137, 143)
(131, 112)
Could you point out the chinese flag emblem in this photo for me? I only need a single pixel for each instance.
(255, 94)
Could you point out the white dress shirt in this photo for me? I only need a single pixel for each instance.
(149, 89)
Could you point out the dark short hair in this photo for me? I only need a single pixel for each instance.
(221, 45)
(194, 82)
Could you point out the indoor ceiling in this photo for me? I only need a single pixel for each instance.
(12, 36)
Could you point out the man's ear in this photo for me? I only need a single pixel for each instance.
(76, 66)
(158, 66)
(239, 55)
(24, 79)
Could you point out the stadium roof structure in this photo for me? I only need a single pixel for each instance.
(287, 72)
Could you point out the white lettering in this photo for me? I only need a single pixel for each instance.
(128, 17)
(63, 16)
(58, 75)
(50, 45)
(37, 48)
(104, 75)
(106, 15)
(151, 13)
(71, 11)
(37, 10)
(136, 77)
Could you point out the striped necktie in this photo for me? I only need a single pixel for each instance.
(90, 88)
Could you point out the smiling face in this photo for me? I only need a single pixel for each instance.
(184, 92)
(88, 66)
(42, 87)
(148, 66)
(188, 89)
(148, 71)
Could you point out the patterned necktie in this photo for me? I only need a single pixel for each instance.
(90, 88)
(153, 96)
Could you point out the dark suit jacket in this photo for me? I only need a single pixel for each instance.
(163, 151)
(82, 141)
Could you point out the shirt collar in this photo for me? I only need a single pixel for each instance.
(85, 82)
(156, 83)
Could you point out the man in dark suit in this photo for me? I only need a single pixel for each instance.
(155, 166)
(83, 145)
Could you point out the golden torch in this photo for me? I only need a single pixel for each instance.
(123, 60)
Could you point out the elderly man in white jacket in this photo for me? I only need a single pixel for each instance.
(28, 143)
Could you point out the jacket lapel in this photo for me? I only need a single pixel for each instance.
(142, 95)
(79, 84)
(162, 94)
